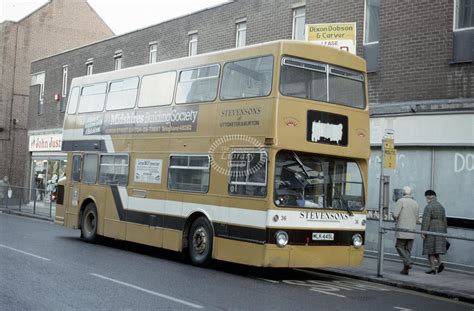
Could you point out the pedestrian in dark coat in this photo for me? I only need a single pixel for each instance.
(434, 219)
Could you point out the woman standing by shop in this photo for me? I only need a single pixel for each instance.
(434, 220)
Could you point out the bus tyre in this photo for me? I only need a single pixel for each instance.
(200, 242)
(89, 223)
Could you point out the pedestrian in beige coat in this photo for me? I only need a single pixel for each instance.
(406, 215)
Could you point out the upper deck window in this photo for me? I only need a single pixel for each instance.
(122, 94)
(92, 98)
(322, 82)
(247, 78)
(197, 85)
(73, 100)
(157, 89)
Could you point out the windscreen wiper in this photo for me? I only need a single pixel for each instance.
(298, 160)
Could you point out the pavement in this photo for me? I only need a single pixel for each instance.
(451, 283)
(40, 209)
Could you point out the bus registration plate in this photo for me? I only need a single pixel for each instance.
(320, 236)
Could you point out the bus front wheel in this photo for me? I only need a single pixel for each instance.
(89, 223)
(200, 242)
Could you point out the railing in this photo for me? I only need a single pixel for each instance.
(384, 230)
(34, 201)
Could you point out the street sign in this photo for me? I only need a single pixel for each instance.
(388, 143)
(390, 158)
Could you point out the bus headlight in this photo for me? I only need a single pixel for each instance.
(357, 240)
(281, 238)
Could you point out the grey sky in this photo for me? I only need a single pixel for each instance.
(121, 15)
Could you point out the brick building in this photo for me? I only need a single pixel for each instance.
(421, 78)
(46, 31)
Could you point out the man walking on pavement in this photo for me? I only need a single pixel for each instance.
(406, 215)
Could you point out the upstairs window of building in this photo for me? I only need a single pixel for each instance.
(38, 79)
(464, 14)
(299, 20)
(153, 55)
(193, 44)
(89, 67)
(64, 84)
(241, 34)
(372, 8)
(118, 60)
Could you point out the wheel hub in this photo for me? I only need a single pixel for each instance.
(200, 241)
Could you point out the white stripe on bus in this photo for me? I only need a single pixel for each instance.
(237, 216)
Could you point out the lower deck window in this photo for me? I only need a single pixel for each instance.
(189, 173)
(312, 181)
(113, 170)
(248, 174)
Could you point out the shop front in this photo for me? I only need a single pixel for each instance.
(48, 163)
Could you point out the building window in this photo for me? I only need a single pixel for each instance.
(372, 8)
(118, 60)
(64, 84)
(241, 34)
(464, 14)
(152, 58)
(193, 44)
(118, 63)
(38, 79)
(299, 20)
(89, 68)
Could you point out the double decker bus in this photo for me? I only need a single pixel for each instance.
(255, 155)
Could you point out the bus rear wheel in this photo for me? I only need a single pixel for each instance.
(200, 240)
(89, 223)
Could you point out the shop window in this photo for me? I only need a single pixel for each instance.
(248, 174)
